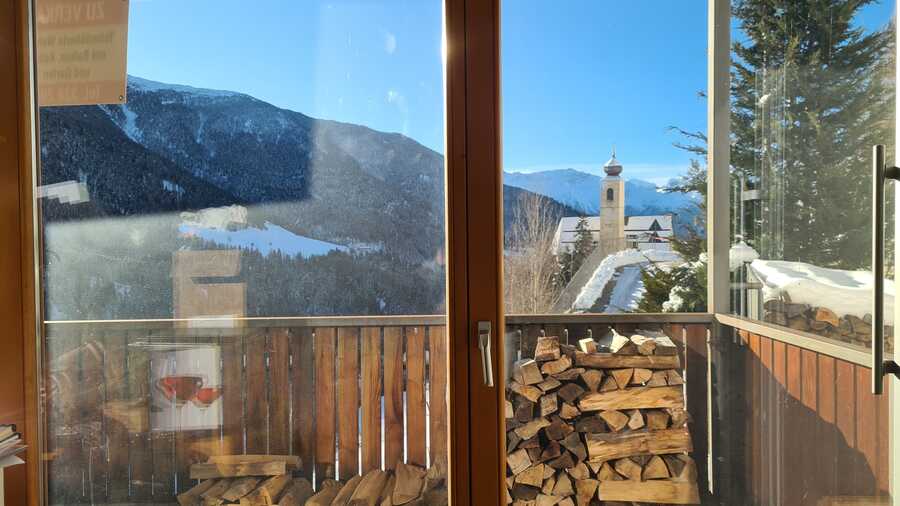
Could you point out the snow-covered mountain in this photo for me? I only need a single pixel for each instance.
(582, 191)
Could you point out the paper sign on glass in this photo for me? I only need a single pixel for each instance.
(82, 51)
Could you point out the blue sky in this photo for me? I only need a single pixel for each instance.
(575, 80)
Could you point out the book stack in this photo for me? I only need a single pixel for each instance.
(10, 441)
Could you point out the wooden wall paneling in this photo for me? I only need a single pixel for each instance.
(866, 434)
(348, 401)
(64, 414)
(755, 450)
(232, 441)
(696, 378)
(791, 447)
(845, 420)
(279, 397)
(415, 396)
(826, 435)
(437, 394)
(393, 396)
(326, 415)
(883, 418)
(256, 392)
(809, 421)
(768, 413)
(370, 381)
(779, 418)
(303, 399)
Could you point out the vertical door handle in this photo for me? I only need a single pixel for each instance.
(880, 173)
(484, 343)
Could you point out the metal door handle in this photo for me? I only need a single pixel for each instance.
(484, 343)
(880, 173)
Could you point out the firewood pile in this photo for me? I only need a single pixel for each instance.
(825, 322)
(588, 426)
(264, 480)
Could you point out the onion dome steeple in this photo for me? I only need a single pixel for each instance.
(613, 167)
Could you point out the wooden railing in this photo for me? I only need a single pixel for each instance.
(345, 394)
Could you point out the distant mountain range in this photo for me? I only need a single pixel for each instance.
(580, 190)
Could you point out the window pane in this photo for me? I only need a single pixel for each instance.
(812, 92)
(223, 246)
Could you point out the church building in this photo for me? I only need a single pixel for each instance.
(612, 230)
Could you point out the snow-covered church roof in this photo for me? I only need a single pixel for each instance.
(661, 224)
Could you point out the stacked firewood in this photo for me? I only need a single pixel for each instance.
(588, 426)
(825, 322)
(264, 480)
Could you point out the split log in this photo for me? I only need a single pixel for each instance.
(621, 345)
(533, 476)
(570, 392)
(826, 315)
(628, 468)
(551, 451)
(213, 495)
(567, 501)
(524, 410)
(549, 404)
(591, 423)
(622, 377)
(616, 420)
(557, 429)
(641, 376)
(607, 473)
(241, 487)
(613, 361)
(508, 409)
(291, 461)
(517, 461)
(343, 497)
(609, 384)
(326, 495)
(658, 379)
(547, 348)
(296, 493)
(267, 491)
(549, 483)
(192, 496)
(673, 378)
(410, 479)
(635, 419)
(568, 411)
(584, 491)
(563, 485)
(603, 447)
(369, 489)
(569, 374)
(655, 469)
(527, 372)
(204, 471)
(521, 492)
(579, 471)
(564, 461)
(587, 345)
(549, 384)
(655, 491)
(592, 379)
(557, 366)
(530, 429)
(546, 500)
(657, 419)
(633, 398)
(527, 391)
(573, 443)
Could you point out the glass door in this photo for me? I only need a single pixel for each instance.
(244, 265)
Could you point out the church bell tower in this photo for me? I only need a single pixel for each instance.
(612, 207)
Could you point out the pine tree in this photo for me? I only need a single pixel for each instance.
(584, 244)
(811, 93)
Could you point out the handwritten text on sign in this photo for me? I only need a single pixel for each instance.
(82, 51)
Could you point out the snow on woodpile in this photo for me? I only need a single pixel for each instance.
(841, 291)
(593, 289)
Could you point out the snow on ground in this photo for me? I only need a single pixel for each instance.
(627, 292)
(844, 292)
(593, 289)
(265, 240)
